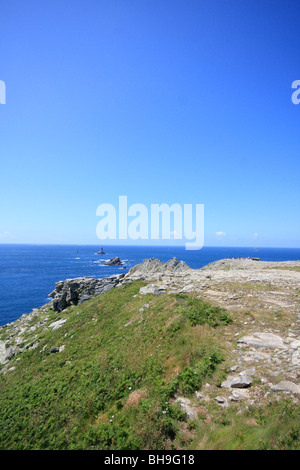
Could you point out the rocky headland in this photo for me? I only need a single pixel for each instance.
(262, 343)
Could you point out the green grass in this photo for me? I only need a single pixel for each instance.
(199, 312)
(248, 286)
(274, 427)
(76, 399)
(287, 268)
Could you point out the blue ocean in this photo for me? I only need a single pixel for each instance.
(28, 272)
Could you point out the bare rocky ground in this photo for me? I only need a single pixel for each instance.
(264, 340)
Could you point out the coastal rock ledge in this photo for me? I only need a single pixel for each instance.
(78, 290)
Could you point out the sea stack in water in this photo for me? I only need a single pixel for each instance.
(101, 252)
(114, 262)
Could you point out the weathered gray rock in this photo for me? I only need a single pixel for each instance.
(78, 290)
(262, 340)
(4, 369)
(154, 266)
(2, 352)
(7, 352)
(286, 386)
(237, 381)
(185, 405)
(249, 372)
(56, 324)
(152, 289)
(220, 399)
(10, 352)
(235, 396)
(30, 345)
(296, 358)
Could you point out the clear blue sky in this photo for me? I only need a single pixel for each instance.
(170, 101)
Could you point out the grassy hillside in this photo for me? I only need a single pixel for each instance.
(109, 376)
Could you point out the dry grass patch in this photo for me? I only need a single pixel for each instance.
(286, 268)
(135, 397)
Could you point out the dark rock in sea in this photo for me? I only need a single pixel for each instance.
(114, 262)
(101, 252)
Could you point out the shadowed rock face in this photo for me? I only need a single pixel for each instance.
(78, 290)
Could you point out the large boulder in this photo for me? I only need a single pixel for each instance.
(7, 352)
(238, 381)
(286, 386)
(263, 340)
(78, 290)
(2, 352)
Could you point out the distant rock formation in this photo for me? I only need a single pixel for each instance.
(101, 252)
(154, 267)
(114, 262)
